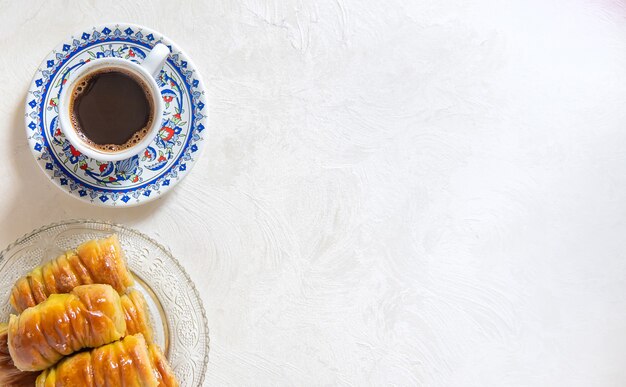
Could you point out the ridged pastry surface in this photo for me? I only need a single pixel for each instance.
(89, 316)
(96, 261)
(137, 315)
(123, 363)
(164, 372)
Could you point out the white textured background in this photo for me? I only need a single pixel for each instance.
(420, 192)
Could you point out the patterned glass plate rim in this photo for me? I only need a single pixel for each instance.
(139, 179)
(186, 344)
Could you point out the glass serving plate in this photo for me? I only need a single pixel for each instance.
(176, 309)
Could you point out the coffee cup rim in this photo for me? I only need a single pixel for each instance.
(65, 122)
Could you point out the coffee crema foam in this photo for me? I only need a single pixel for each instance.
(138, 136)
(84, 86)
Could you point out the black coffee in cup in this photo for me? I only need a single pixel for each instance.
(111, 109)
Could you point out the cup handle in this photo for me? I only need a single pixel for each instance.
(155, 59)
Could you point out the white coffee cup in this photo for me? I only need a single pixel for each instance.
(146, 72)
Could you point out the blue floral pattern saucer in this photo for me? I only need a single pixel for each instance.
(141, 178)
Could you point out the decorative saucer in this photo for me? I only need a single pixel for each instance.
(141, 178)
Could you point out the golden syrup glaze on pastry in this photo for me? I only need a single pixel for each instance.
(9, 375)
(137, 318)
(137, 315)
(96, 261)
(89, 316)
(123, 363)
(164, 372)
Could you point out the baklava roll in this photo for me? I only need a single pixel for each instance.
(94, 262)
